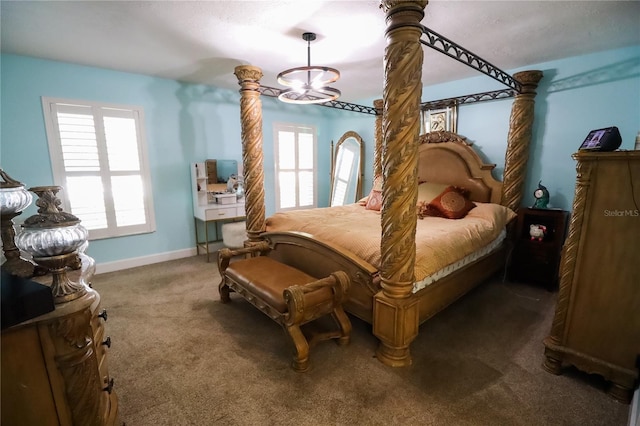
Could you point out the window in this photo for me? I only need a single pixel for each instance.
(98, 156)
(295, 158)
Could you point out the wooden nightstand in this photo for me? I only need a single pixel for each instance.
(536, 261)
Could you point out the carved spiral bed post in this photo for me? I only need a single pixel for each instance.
(377, 155)
(395, 312)
(520, 126)
(252, 159)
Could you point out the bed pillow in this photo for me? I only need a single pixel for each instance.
(427, 191)
(374, 201)
(377, 187)
(452, 203)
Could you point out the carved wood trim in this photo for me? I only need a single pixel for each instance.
(77, 363)
(570, 250)
(252, 152)
(442, 136)
(377, 156)
(83, 385)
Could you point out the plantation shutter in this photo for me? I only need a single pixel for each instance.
(99, 159)
(295, 167)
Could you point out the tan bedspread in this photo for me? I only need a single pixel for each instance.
(439, 242)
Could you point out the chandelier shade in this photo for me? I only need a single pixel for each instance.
(309, 84)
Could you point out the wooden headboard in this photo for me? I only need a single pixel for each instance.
(445, 157)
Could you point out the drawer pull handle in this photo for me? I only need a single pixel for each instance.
(109, 387)
(103, 314)
(107, 342)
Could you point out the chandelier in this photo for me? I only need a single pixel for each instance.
(308, 85)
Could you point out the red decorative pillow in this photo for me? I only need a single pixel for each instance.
(374, 202)
(452, 203)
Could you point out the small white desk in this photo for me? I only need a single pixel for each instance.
(215, 213)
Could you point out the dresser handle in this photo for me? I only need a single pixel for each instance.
(103, 315)
(107, 342)
(109, 387)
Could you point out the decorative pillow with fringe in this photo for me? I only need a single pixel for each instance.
(428, 191)
(374, 202)
(452, 203)
(377, 187)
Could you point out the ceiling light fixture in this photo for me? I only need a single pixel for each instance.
(308, 85)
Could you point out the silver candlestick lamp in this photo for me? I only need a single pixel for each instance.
(53, 238)
(14, 199)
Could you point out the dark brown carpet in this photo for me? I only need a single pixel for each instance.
(180, 357)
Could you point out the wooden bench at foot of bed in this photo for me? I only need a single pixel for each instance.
(287, 295)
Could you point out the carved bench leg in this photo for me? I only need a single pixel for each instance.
(223, 290)
(301, 357)
(344, 323)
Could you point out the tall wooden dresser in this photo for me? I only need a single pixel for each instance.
(596, 327)
(54, 368)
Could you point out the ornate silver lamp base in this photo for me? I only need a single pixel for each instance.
(53, 237)
(13, 200)
(15, 264)
(62, 288)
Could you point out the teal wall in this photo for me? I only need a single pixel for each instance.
(187, 123)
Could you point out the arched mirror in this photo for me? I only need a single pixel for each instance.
(347, 169)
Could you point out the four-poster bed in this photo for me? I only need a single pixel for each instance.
(384, 292)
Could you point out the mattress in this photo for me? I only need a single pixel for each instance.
(442, 245)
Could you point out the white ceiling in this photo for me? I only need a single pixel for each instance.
(202, 41)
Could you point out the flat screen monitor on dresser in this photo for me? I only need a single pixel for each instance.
(606, 139)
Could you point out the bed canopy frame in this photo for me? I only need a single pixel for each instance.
(397, 127)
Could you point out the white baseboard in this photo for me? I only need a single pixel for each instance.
(118, 265)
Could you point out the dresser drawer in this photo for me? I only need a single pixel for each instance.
(101, 343)
(103, 369)
(222, 213)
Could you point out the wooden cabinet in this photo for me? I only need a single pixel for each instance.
(54, 368)
(596, 326)
(536, 260)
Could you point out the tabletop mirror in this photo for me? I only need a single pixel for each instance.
(347, 169)
(222, 175)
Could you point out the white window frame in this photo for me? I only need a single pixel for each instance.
(296, 129)
(50, 107)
